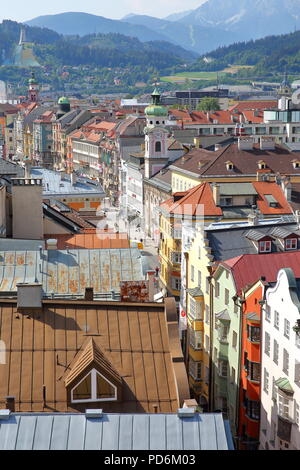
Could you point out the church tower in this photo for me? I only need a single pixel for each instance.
(156, 136)
(33, 90)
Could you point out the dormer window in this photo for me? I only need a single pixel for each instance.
(296, 163)
(229, 166)
(262, 165)
(291, 244)
(93, 387)
(264, 246)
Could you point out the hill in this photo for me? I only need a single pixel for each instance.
(271, 54)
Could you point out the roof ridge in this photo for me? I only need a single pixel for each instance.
(217, 157)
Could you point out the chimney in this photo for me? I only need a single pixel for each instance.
(29, 297)
(253, 217)
(245, 143)
(27, 208)
(216, 193)
(89, 294)
(10, 403)
(287, 189)
(191, 404)
(267, 143)
(73, 178)
(197, 142)
(51, 244)
(150, 278)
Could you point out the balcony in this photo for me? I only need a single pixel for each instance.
(284, 429)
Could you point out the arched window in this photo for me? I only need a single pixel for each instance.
(157, 122)
(158, 146)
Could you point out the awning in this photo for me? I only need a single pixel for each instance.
(284, 385)
(223, 315)
(195, 292)
(253, 317)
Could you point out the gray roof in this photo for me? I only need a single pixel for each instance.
(254, 235)
(195, 292)
(54, 184)
(66, 273)
(230, 242)
(253, 317)
(281, 232)
(240, 189)
(9, 244)
(8, 168)
(59, 431)
(223, 315)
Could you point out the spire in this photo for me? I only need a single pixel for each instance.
(156, 97)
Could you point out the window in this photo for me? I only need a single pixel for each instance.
(253, 409)
(176, 257)
(176, 283)
(232, 377)
(93, 387)
(207, 314)
(267, 344)
(253, 333)
(206, 343)
(284, 406)
(285, 366)
(268, 313)
(196, 339)
(275, 351)
(276, 320)
(207, 285)
(274, 390)
(291, 244)
(234, 339)
(297, 340)
(199, 278)
(223, 368)
(158, 146)
(195, 309)
(217, 289)
(226, 296)
(192, 273)
(223, 333)
(265, 247)
(286, 328)
(254, 371)
(195, 369)
(266, 380)
(296, 413)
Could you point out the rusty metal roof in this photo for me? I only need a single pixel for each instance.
(64, 273)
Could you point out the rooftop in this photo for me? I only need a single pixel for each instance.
(103, 240)
(136, 348)
(68, 431)
(66, 273)
(54, 184)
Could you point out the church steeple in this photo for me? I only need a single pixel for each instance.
(33, 90)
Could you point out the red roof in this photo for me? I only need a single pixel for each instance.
(269, 188)
(248, 269)
(243, 105)
(92, 241)
(196, 201)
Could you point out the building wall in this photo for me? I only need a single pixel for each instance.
(284, 300)
(27, 210)
(2, 211)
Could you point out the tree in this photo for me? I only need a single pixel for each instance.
(208, 104)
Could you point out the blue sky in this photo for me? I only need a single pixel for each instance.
(22, 10)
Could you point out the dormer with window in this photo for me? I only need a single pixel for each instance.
(296, 164)
(263, 243)
(92, 378)
(229, 166)
(262, 165)
(288, 240)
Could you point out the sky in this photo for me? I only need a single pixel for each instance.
(23, 10)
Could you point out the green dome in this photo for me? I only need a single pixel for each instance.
(32, 81)
(63, 100)
(156, 110)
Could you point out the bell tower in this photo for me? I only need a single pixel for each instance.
(156, 136)
(33, 90)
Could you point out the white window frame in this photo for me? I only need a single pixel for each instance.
(176, 286)
(287, 328)
(264, 246)
(276, 319)
(195, 310)
(176, 257)
(292, 242)
(196, 339)
(267, 348)
(223, 365)
(285, 361)
(268, 313)
(275, 351)
(266, 381)
(94, 398)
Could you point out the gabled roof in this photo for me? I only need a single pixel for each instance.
(248, 269)
(91, 355)
(196, 202)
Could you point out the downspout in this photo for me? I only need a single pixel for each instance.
(186, 336)
(211, 332)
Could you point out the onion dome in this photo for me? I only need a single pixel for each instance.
(63, 100)
(156, 109)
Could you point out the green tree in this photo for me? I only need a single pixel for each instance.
(208, 104)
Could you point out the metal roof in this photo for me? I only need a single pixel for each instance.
(195, 292)
(240, 189)
(252, 316)
(254, 235)
(68, 272)
(54, 184)
(60, 431)
(223, 315)
(284, 384)
(281, 232)
(9, 244)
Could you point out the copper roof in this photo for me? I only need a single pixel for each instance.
(138, 342)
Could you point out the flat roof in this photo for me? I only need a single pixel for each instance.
(54, 184)
(67, 431)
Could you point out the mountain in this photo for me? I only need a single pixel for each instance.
(268, 55)
(83, 24)
(248, 19)
(176, 16)
(199, 39)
